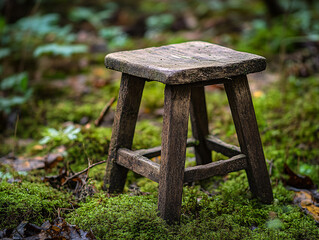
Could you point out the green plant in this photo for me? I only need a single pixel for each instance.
(147, 134)
(95, 17)
(60, 136)
(279, 34)
(14, 91)
(58, 49)
(35, 35)
(32, 31)
(158, 23)
(288, 123)
(115, 36)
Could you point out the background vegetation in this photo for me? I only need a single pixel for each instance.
(54, 86)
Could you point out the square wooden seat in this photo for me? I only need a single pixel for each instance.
(185, 69)
(185, 63)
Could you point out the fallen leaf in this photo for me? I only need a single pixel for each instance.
(56, 181)
(37, 147)
(25, 164)
(305, 201)
(297, 181)
(258, 94)
(59, 229)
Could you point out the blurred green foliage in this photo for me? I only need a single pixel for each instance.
(27, 201)
(81, 33)
(56, 49)
(16, 91)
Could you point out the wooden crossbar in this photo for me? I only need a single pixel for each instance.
(156, 151)
(217, 145)
(137, 163)
(218, 168)
(213, 143)
(147, 168)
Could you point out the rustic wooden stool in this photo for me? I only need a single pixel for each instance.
(185, 69)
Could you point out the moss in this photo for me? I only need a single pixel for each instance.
(219, 115)
(289, 131)
(92, 144)
(153, 96)
(288, 123)
(147, 134)
(89, 143)
(147, 185)
(33, 202)
(230, 214)
(120, 217)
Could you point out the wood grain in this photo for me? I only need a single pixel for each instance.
(174, 135)
(137, 163)
(217, 145)
(185, 63)
(243, 113)
(156, 151)
(199, 122)
(128, 103)
(218, 168)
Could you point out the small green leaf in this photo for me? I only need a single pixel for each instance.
(18, 82)
(60, 50)
(45, 140)
(68, 129)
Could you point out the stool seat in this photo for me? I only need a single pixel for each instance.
(185, 63)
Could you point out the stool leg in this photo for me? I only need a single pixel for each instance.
(128, 103)
(199, 122)
(174, 138)
(243, 113)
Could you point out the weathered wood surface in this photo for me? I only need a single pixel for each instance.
(128, 103)
(174, 135)
(199, 122)
(243, 113)
(185, 62)
(217, 145)
(138, 164)
(156, 151)
(218, 168)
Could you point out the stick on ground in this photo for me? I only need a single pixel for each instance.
(83, 171)
(105, 110)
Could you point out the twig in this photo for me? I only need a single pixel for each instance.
(83, 171)
(107, 107)
(271, 163)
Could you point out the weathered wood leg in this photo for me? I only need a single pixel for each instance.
(174, 137)
(129, 100)
(199, 122)
(243, 113)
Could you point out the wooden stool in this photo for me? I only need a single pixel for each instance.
(185, 69)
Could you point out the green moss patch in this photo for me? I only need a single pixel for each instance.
(121, 217)
(31, 202)
(230, 214)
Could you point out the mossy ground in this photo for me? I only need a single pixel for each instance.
(33, 202)
(230, 214)
(222, 209)
(72, 91)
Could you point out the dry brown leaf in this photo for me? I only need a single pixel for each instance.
(305, 201)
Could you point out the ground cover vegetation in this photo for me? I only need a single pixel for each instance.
(54, 87)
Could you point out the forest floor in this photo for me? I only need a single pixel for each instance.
(54, 142)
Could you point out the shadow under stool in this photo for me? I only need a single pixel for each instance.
(185, 69)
